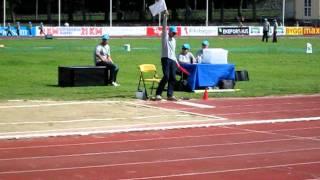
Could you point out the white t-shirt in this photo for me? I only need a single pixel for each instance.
(104, 51)
(187, 58)
(168, 47)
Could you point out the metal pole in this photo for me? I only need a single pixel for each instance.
(59, 12)
(4, 13)
(37, 5)
(207, 13)
(283, 11)
(110, 13)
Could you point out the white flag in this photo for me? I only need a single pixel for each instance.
(158, 7)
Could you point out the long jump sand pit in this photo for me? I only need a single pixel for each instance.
(23, 119)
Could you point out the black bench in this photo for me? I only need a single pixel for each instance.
(83, 76)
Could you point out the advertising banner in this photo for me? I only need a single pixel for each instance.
(233, 30)
(153, 31)
(199, 31)
(311, 31)
(93, 31)
(24, 31)
(294, 31)
(255, 31)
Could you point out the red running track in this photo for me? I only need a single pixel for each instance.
(262, 151)
(268, 151)
(243, 109)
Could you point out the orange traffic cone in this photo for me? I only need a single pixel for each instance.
(205, 95)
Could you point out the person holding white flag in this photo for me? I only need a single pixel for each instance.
(168, 60)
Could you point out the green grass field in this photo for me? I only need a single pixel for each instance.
(28, 67)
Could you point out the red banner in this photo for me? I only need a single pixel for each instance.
(153, 31)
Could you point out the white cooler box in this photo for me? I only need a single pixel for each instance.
(215, 56)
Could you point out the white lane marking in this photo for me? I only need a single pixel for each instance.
(277, 111)
(146, 127)
(138, 125)
(159, 161)
(194, 104)
(147, 150)
(158, 139)
(125, 141)
(175, 110)
(226, 171)
(57, 104)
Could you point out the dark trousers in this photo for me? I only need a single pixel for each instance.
(113, 69)
(9, 33)
(265, 36)
(169, 68)
(274, 39)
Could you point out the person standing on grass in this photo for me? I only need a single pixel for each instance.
(102, 57)
(30, 28)
(168, 60)
(275, 27)
(18, 28)
(41, 27)
(9, 30)
(266, 28)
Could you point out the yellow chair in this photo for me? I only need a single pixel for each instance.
(148, 73)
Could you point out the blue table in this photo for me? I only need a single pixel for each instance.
(208, 75)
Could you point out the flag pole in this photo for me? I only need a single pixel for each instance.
(59, 13)
(4, 13)
(207, 13)
(110, 16)
(283, 11)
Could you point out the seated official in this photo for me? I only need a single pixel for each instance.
(186, 56)
(199, 54)
(102, 57)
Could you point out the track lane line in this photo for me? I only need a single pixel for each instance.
(158, 161)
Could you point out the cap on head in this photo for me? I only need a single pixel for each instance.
(105, 37)
(265, 19)
(205, 43)
(186, 46)
(173, 29)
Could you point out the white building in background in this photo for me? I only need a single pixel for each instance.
(304, 11)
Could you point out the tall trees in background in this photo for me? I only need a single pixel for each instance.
(13, 4)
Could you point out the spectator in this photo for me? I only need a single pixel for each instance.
(199, 56)
(187, 14)
(266, 28)
(9, 30)
(275, 27)
(30, 28)
(168, 60)
(41, 27)
(102, 57)
(186, 56)
(18, 28)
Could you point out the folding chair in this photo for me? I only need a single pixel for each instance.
(148, 73)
